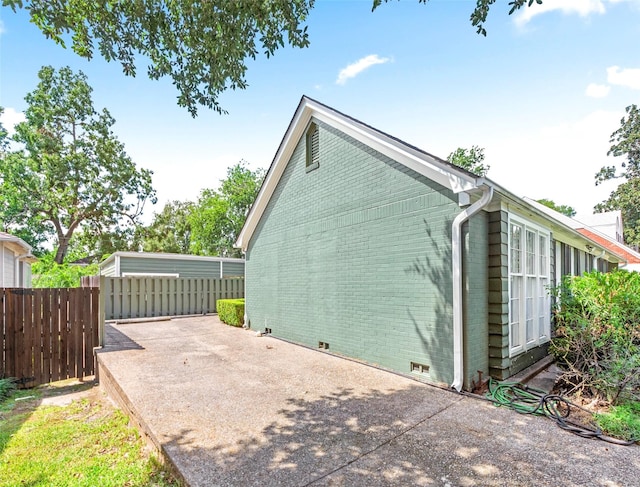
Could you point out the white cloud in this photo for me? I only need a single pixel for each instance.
(11, 117)
(624, 77)
(597, 91)
(583, 8)
(354, 69)
(558, 162)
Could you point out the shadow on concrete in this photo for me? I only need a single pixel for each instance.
(371, 439)
(341, 437)
(115, 340)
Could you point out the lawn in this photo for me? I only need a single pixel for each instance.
(88, 442)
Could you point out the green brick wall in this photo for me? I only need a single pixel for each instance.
(357, 254)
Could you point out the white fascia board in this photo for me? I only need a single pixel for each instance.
(287, 146)
(419, 162)
(17, 244)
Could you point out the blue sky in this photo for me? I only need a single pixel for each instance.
(542, 93)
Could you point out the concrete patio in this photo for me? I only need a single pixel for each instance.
(229, 408)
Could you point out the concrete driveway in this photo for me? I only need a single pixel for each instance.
(230, 408)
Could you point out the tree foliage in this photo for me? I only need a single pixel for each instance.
(49, 274)
(93, 245)
(219, 215)
(72, 171)
(470, 159)
(12, 217)
(626, 197)
(481, 11)
(170, 230)
(202, 46)
(564, 209)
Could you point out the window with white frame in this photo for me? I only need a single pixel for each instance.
(529, 274)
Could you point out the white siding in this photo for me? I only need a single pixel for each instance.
(8, 268)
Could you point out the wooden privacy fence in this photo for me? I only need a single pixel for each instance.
(48, 334)
(145, 297)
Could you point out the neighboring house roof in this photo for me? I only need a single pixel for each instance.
(19, 245)
(458, 180)
(608, 223)
(153, 255)
(628, 254)
(625, 253)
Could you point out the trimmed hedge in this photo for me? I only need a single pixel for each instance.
(231, 311)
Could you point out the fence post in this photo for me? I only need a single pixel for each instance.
(102, 300)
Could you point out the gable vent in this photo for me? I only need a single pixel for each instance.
(313, 147)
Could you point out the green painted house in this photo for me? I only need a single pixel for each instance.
(374, 249)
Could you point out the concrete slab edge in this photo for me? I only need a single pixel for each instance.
(110, 387)
(533, 370)
(151, 319)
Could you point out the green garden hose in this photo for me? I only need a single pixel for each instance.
(529, 400)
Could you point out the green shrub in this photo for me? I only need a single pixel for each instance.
(598, 334)
(231, 311)
(48, 274)
(7, 386)
(621, 421)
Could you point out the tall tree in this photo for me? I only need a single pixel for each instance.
(202, 46)
(470, 159)
(626, 197)
(564, 209)
(13, 218)
(94, 244)
(218, 216)
(170, 230)
(72, 170)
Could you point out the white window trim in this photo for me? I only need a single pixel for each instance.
(545, 335)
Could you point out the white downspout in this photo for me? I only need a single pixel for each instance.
(456, 254)
(16, 270)
(244, 283)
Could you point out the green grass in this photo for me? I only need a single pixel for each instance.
(621, 421)
(86, 443)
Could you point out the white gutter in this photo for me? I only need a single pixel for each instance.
(456, 253)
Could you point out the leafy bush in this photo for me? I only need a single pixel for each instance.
(7, 386)
(231, 311)
(49, 274)
(598, 334)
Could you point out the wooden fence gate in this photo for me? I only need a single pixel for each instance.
(48, 334)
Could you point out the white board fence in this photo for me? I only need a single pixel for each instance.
(148, 297)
